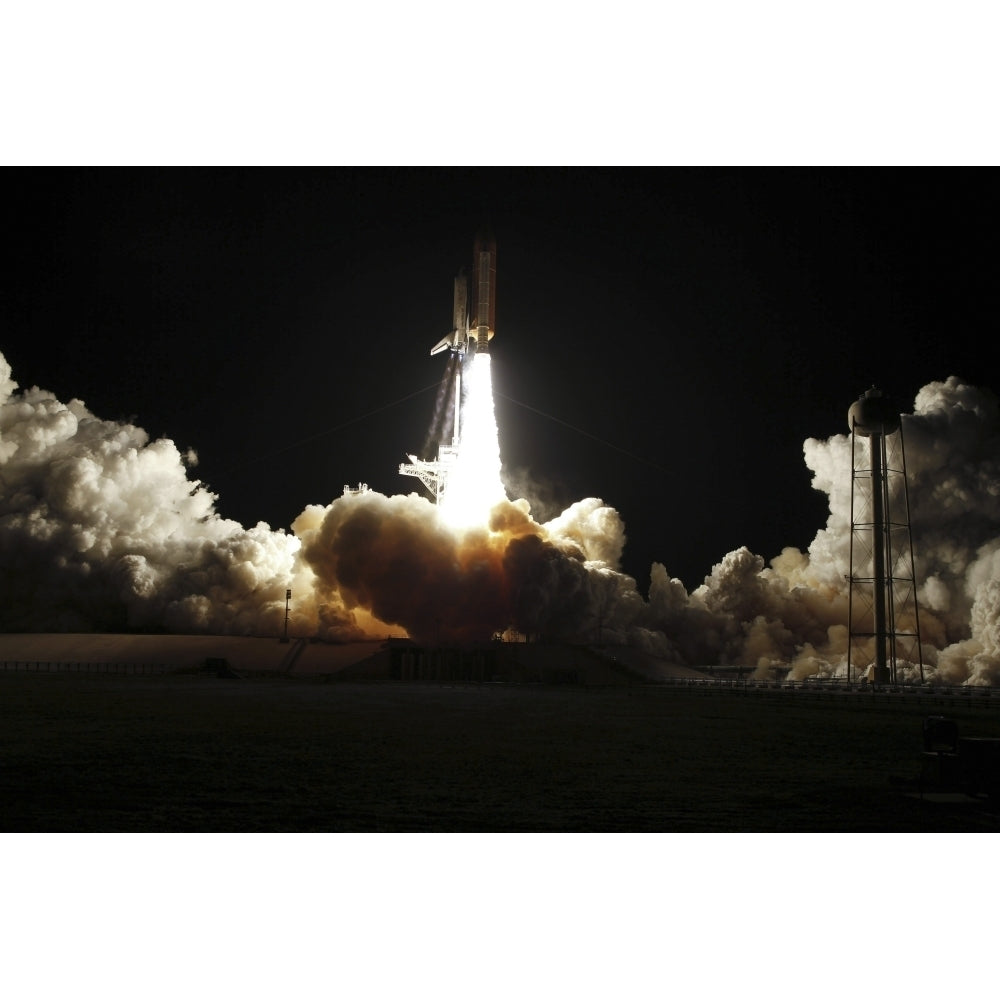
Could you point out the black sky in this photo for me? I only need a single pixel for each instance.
(666, 338)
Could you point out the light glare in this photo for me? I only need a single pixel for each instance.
(474, 484)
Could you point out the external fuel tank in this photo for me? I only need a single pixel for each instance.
(484, 291)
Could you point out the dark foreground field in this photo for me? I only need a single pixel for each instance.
(92, 752)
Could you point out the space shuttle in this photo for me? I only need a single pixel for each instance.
(484, 306)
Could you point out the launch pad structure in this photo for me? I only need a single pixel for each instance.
(434, 472)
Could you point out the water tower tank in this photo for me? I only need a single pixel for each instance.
(872, 414)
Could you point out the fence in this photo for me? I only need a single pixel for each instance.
(41, 666)
(941, 696)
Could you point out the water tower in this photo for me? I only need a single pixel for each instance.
(882, 606)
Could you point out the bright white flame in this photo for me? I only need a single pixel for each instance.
(474, 484)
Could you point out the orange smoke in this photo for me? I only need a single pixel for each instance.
(395, 558)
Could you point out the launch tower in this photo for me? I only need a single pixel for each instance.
(882, 605)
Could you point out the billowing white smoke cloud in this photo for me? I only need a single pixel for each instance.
(795, 610)
(101, 529)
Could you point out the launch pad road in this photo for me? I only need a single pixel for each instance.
(100, 752)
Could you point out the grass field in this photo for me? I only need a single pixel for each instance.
(96, 752)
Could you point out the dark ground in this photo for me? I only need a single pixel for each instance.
(111, 753)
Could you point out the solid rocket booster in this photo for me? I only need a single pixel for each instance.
(484, 289)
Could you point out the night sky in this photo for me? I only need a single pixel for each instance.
(666, 338)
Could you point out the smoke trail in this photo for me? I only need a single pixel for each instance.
(442, 426)
(103, 529)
